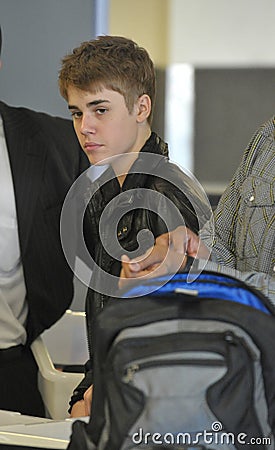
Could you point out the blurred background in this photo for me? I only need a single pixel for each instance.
(214, 59)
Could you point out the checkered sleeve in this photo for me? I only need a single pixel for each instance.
(244, 236)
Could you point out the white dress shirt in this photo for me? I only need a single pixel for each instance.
(13, 305)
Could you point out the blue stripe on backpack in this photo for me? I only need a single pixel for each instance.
(205, 285)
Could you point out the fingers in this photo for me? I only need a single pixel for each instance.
(178, 239)
(168, 255)
(82, 408)
(129, 266)
(192, 242)
(195, 247)
(128, 276)
(153, 256)
(88, 400)
(78, 409)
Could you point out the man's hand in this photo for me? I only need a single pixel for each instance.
(82, 408)
(167, 256)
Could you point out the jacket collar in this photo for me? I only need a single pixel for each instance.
(136, 177)
(107, 186)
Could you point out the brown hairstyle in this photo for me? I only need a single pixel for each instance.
(110, 62)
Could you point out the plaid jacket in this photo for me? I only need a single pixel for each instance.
(245, 217)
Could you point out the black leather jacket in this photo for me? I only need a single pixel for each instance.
(129, 213)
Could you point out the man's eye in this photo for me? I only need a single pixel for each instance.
(76, 114)
(101, 110)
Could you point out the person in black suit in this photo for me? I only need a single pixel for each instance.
(39, 160)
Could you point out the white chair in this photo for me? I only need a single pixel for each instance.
(64, 343)
(66, 340)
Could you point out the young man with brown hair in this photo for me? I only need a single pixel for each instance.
(109, 84)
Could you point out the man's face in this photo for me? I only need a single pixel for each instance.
(103, 124)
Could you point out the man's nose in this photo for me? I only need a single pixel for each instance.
(87, 125)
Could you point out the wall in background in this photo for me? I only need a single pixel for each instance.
(221, 32)
(230, 104)
(36, 34)
(217, 83)
(144, 21)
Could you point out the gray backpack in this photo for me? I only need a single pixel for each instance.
(184, 371)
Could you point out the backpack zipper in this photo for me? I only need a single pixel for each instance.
(133, 368)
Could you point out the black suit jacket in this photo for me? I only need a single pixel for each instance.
(45, 159)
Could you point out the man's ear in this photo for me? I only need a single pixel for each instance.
(143, 108)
